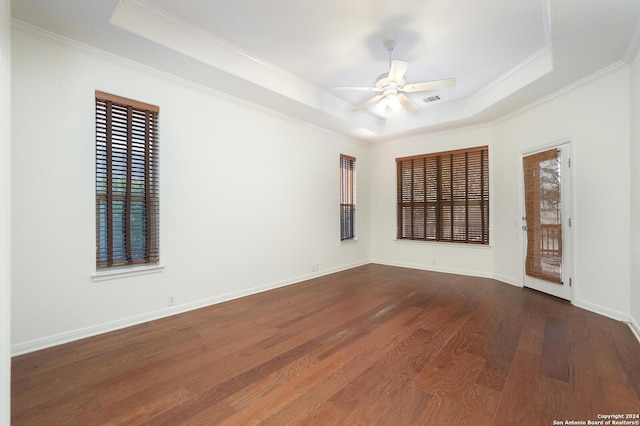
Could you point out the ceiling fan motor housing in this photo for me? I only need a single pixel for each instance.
(392, 87)
(383, 81)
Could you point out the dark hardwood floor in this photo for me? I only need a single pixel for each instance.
(371, 345)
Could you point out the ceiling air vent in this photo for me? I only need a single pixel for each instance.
(432, 99)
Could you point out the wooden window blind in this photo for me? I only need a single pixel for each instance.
(347, 197)
(542, 187)
(444, 196)
(126, 181)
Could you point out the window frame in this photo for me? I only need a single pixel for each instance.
(445, 196)
(126, 150)
(347, 197)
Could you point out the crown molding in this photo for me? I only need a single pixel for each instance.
(634, 46)
(172, 78)
(586, 80)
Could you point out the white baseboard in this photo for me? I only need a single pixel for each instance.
(442, 269)
(635, 328)
(610, 313)
(592, 307)
(508, 280)
(70, 336)
(94, 330)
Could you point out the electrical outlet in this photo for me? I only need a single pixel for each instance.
(315, 267)
(171, 299)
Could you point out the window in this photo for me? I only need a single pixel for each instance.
(444, 196)
(347, 197)
(126, 181)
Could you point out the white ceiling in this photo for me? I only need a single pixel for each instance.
(286, 55)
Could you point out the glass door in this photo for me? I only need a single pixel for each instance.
(547, 223)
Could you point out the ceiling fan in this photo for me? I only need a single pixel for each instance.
(392, 87)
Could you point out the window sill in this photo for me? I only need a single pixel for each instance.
(443, 243)
(349, 241)
(117, 273)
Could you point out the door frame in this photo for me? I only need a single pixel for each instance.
(569, 261)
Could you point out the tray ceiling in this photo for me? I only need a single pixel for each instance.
(286, 55)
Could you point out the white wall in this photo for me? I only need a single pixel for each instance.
(223, 237)
(595, 117)
(445, 257)
(249, 200)
(5, 213)
(635, 194)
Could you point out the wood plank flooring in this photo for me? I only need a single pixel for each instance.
(371, 345)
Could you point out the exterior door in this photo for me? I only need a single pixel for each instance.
(547, 221)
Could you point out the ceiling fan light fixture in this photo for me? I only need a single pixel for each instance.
(393, 102)
(382, 105)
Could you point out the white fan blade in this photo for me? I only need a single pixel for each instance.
(370, 102)
(397, 70)
(362, 89)
(428, 85)
(407, 103)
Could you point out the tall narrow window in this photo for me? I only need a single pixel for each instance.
(126, 181)
(444, 196)
(347, 197)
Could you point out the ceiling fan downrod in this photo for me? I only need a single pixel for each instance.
(389, 45)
